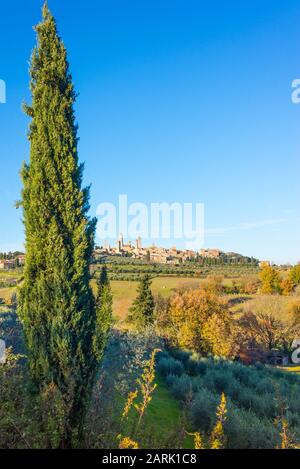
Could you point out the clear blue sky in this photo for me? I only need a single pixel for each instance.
(180, 100)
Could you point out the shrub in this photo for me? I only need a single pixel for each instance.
(193, 367)
(259, 366)
(198, 383)
(181, 387)
(202, 409)
(169, 366)
(181, 355)
(293, 310)
(170, 380)
(201, 367)
(218, 380)
(234, 389)
(294, 274)
(263, 406)
(201, 321)
(243, 374)
(214, 284)
(287, 286)
(162, 354)
(269, 277)
(249, 285)
(264, 386)
(245, 430)
(293, 419)
(256, 396)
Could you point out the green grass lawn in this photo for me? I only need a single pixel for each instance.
(124, 292)
(166, 285)
(162, 417)
(9, 274)
(6, 293)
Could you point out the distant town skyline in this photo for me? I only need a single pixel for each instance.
(160, 254)
(137, 250)
(186, 101)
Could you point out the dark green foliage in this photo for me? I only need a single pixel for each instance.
(193, 367)
(161, 354)
(104, 306)
(103, 279)
(12, 398)
(218, 380)
(170, 366)
(56, 304)
(179, 354)
(202, 409)
(141, 312)
(128, 268)
(27, 421)
(11, 331)
(180, 387)
(246, 430)
(256, 396)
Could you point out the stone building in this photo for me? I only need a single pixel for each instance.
(7, 264)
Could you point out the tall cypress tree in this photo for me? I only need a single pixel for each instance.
(56, 304)
(104, 304)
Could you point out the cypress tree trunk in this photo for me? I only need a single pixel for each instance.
(104, 306)
(56, 304)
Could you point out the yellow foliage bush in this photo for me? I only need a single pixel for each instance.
(269, 277)
(287, 286)
(201, 322)
(293, 310)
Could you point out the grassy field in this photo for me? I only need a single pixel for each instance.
(270, 304)
(163, 416)
(6, 293)
(9, 277)
(10, 274)
(124, 292)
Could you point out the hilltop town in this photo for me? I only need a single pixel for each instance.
(163, 255)
(135, 250)
(153, 254)
(11, 261)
